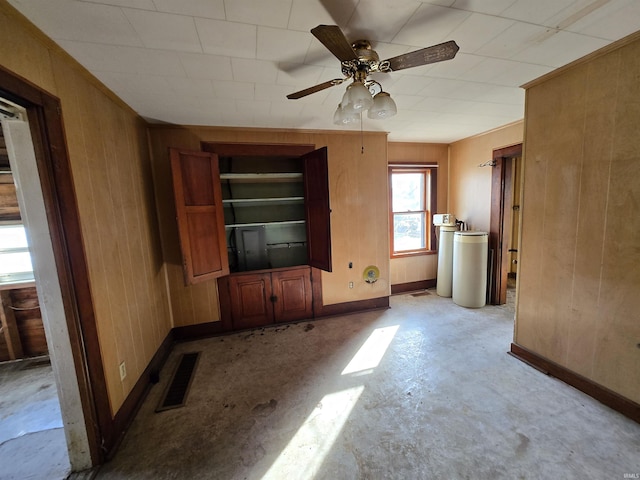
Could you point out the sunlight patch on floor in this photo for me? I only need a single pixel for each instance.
(303, 456)
(372, 351)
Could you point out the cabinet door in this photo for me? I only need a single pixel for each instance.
(198, 197)
(293, 295)
(316, 199)
(251, 304)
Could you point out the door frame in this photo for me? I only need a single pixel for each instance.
(44, 114)
(499, 226)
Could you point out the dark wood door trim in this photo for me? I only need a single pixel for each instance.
(45, 120)
(499, 226)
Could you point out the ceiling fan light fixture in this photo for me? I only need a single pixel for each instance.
(383, 107)
(358, 96)
(345, 115)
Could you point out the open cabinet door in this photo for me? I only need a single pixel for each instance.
(316, 197)
(198, 196)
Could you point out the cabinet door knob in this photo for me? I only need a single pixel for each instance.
(273, 298)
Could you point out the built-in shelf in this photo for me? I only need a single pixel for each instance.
(262, 177)
(253, 202)
(260, 224)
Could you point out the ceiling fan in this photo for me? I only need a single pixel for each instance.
(358, 60)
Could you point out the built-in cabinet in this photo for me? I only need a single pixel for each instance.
(257, 218)
(268, 297)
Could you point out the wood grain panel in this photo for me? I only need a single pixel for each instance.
(250, 297)
(578, 275)
(294, 296)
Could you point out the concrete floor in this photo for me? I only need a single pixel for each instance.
(422, 390)
(32, 441)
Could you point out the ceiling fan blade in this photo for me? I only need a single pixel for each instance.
(315, 88)
(424, 56)
(332, 37)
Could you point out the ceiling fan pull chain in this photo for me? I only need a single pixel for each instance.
(361, 137)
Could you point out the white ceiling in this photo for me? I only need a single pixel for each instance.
(232, 62)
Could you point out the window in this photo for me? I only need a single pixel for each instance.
(412, 191)
(15, 261)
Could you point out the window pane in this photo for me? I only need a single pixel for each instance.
(408, 231)
(12, 236)
(15, 262)
(407, 192)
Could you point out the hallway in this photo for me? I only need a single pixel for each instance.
(32, 441)
(422, 390)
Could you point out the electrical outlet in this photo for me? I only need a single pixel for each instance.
(350, 284)
(123, 371)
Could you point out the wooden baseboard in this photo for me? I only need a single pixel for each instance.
(412, 286)
(608, 397)
(201, 330)
(136, 397)
(352, 307)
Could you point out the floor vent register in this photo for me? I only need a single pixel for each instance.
(176, 393)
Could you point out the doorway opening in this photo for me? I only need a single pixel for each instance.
(44, 178)
(504, 230)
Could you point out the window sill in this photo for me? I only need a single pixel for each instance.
(413, 254)
(14, 285)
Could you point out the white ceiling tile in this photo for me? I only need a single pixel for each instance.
(141, 4)
(537, 11)
(490, 7)
(306, 14)
(227, 38)
(507, 95)
(282, 45)
(164, 30)
(611, 21)
(477, 30)
(247, 70)
(454, 68)
(430, 25)
(490, 68)
(409, 84)
(231, 75)
(278, 93)
(271, 13)
(560, 48)
(513, 40)
(191, 87)
(79, 21)
(111, 58)
(194, 8)
(234, 90)
(214, 67)
(299, 75)
(431, 104)
(380, 20)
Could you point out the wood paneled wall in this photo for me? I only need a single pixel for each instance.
(579, 274)
(470, 186)
(423, 267)
(359, 218)
(112, 176)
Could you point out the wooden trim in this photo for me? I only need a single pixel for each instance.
(259, 149)
(500, 221)
(127, 412)
(47, 131)
(200, 330)
(608, 397)
(352, 307)
(412, 286)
